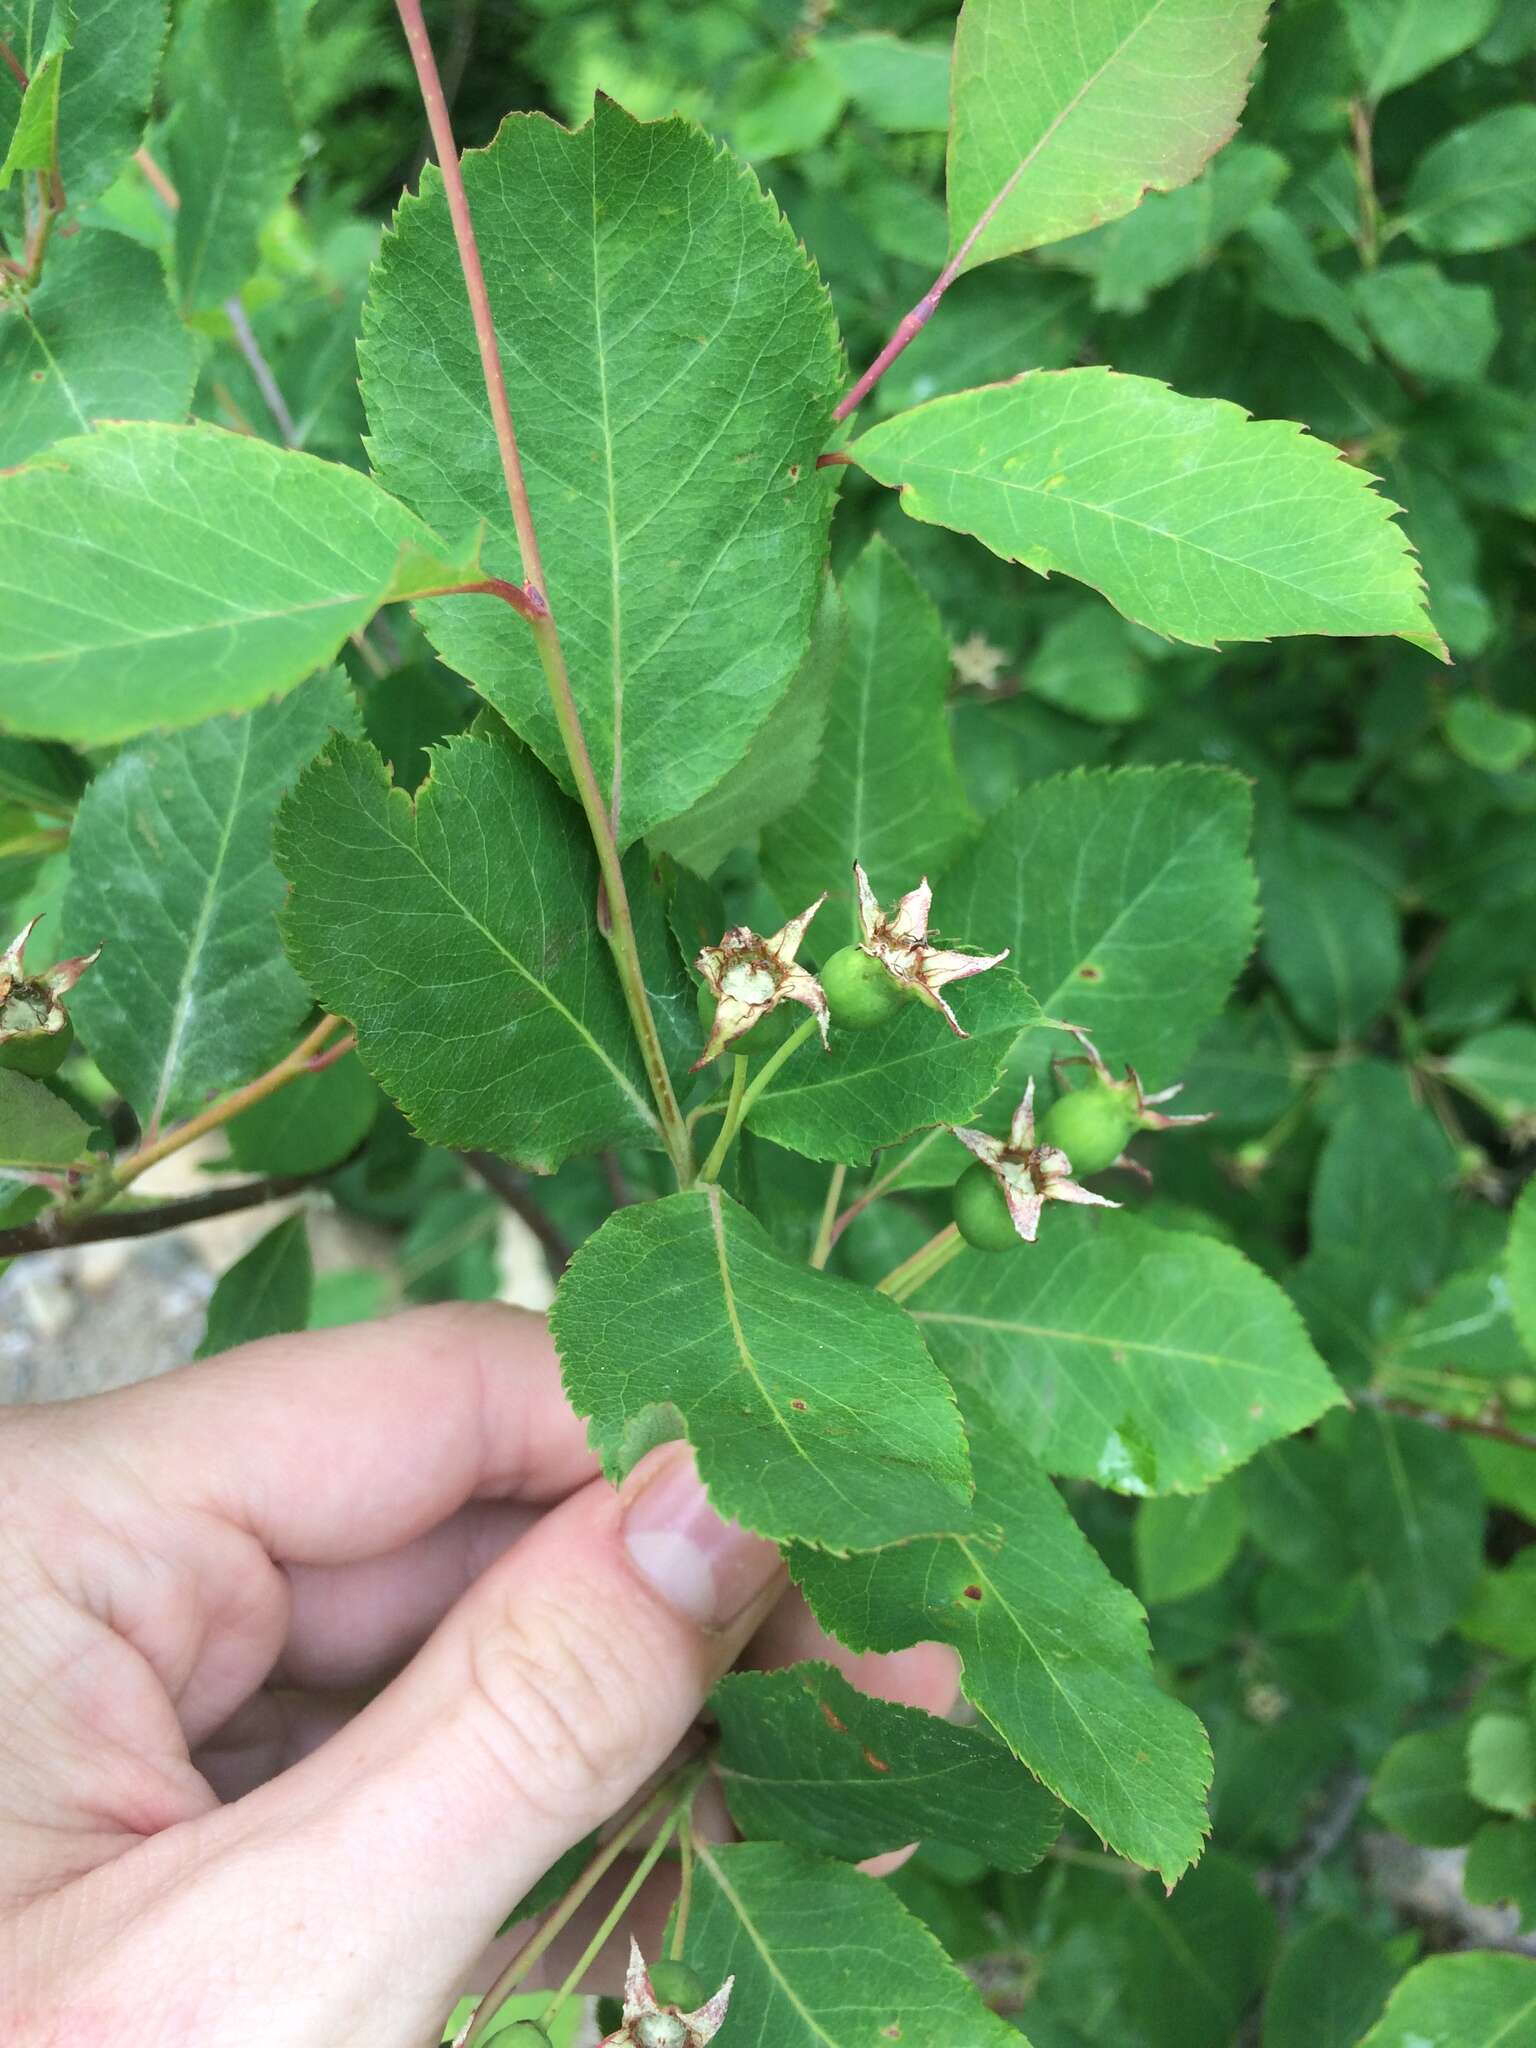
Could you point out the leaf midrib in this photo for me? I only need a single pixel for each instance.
(749, 1927)
(995, 205)
(582, 1032)
(181, 1009)
(1006, 1327)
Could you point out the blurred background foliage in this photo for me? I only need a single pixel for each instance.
(1354, 1613)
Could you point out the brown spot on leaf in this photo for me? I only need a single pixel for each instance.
(876, 1763)
(972, 1593)
(893, 2031)
(838, 1727)
(1090, 973)
(798, 1406)
(794, 472)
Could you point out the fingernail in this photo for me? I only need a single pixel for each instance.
(705, 1568)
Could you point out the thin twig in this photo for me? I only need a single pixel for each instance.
(621, 931)
(261, 371)
(886, 1181)
(1462, 1425)
(164, 190)
(821, 1250)
(710, 1170)
(287, 1069)
(517, 1969)
(506, 1182)
(1361, 123)
(911, 325)
(48, 1233)
(930, 1258)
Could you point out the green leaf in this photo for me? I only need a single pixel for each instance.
(873, 1087)
(1185, 1543)
(805, 1757)
(308, 1125)
(1486, 736)
(814, 1410)
(41, 778)
(1190, 1965)
(1292, 283)
(781, 106)
(1293, 1501)
(1330, 930)
(777, 768)
(37, 1127)
(1328, 1987)
(902, 86)
(825, 1957)
(96, 339)
(264, 1294)
(1087, 663)
(1480, 2000)
(23, 1205)
(1502, 1610)
(1397, 41)
(1500, 1869)
(108, 80)
(1415, 1518)
(1065, 116)
(172, 876)
(1520, 1267)
(1128, 902)
(1432, 328)
(1450, 553)
(34, 137)
(684, 588)
(1150, 1360)
(1501, 1763)
(1473, 190)
(456, 933)
(888, 792)
(1055, 1652)
(232, 143)
(1191, 518)
(1498, 1069)
(1382, 1187)
(1420, 1789)
(1170, 233)
(155, 575)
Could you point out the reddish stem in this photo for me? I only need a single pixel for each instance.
(332, 1054)
(534, 594)
(911, 325)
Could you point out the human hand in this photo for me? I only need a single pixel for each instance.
(204, 1579)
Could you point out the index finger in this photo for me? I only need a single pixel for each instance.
(344, 1444)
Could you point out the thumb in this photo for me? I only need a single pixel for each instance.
(382, 1863)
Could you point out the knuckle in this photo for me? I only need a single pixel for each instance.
(557, 1701)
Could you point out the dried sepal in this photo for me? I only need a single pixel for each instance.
(1145, 1109)
(749, 975)
(31, 1006)
(900, 943)
(649, 2024)
(1030, 1174)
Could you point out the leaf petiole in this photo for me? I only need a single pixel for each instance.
(740, 1106)
(904, 1280)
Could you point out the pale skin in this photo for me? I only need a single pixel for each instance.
(315, 1656)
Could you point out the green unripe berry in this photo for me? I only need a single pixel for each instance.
(678, 1984)
(981, 1211)
(1091, 1125)
(37, 1053)
(521, 2034)
(860, 992)
(766, 1035)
